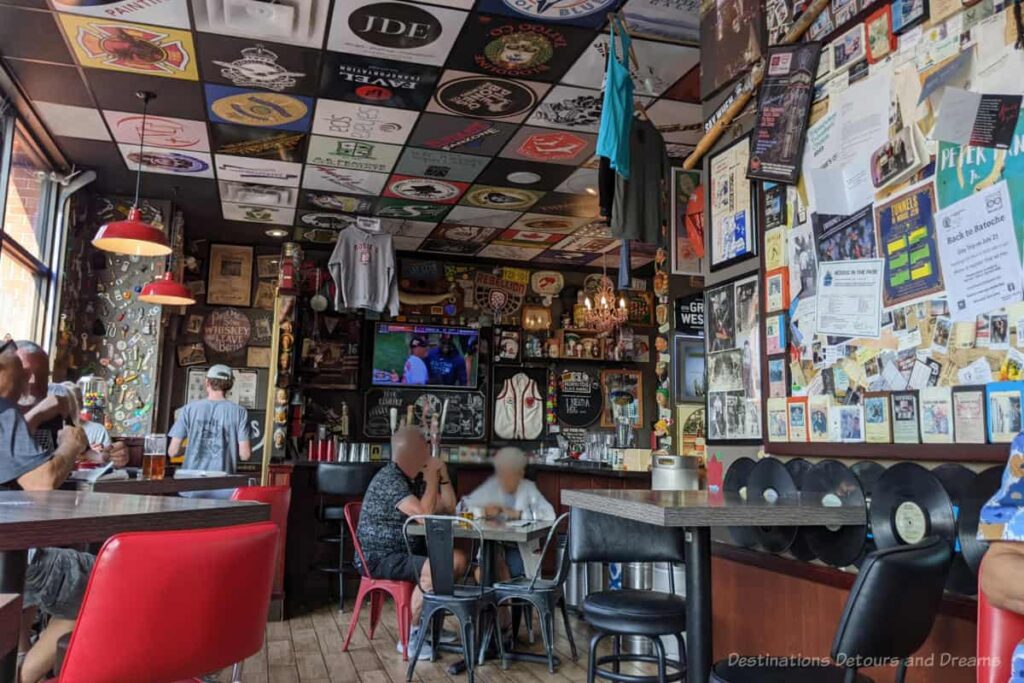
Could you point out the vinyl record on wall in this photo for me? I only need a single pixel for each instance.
(867, 473)
(800, 549)
(957, 480)
(735, 481)
(908, 505)
(834, 484)
(769, 481)
(984, 486)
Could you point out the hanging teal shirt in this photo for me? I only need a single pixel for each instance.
(617, 108)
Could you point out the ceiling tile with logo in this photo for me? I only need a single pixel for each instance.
(342, 180)
(485, 218)
(378, 82)
(550, 146)
(261, 171)
(535, 237)
(173, 13)
(253, 193)
(578, 12)
(403, 228)
(412, 210)
(358, 155)
(462, 135)
(424, 189)
(513, 48)
(183, 163)
(259, 143)
(537, 222)
(525, 174)
(660, 64)
(363, 122)
(101, 43)
(392, 29)
(161, 131)
(464, 240)
(585, 244)
(258, 108)
(507, 198)
(586, 205)
(431, 163)
(357, 204)
(251, 64)
(403, 243)
(514, 252)
(295, 22)
(258, 213)
(569, 108)
(310, 235)
(324, 219)
(553, 257)
(489, 97)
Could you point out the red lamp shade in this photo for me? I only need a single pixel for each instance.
(132, 236)
(167, 291)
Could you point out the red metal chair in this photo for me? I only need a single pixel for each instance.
(169, 606)
(400, 591)
(279, 498)
(999, 632)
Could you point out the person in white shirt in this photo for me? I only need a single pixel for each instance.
(509, 495)
(415, 370)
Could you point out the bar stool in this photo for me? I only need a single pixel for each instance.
(888, 615)
(344, 480)
(596, 537)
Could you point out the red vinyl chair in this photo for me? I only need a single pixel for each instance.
(279, 498)
(400, 591)
(999, 632)
(168, 606)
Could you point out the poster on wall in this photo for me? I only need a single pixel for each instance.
(733, 390)
(906, 237)
(686, 252)
(230, 277)
(783, 105)
(245, 391)
(732, 222)
(731, 35)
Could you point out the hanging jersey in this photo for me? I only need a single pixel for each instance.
(519, 409)
(617, 108)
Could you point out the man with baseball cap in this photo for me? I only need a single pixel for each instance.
(217, 429)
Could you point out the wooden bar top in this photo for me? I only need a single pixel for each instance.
(700, 509)
(501, 532)
(30, 519)
(158, 487)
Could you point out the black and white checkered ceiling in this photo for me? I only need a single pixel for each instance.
(469, 125)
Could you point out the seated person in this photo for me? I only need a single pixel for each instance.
(1002, 525)
(507, 494)
(413, 483)
(55, 579)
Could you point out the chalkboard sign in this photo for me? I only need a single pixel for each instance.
(579, 397)
(466, 411)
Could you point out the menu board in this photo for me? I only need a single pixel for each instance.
(466, 420)
(579, 397)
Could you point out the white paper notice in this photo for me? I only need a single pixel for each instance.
(978, 252)
(978, 372)
(850, 298)
(957, 112)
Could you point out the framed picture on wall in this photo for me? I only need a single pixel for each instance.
(688, 361)
(732, 217)
(733, 329)
(623, 392)
(686, 258)
(230, 277)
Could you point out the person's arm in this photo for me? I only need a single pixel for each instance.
(174, 448)
(50, 407)
(244, 438)
(448, 502)
(427, 504)
(71, 442)
(178, 432)
(1002, 575)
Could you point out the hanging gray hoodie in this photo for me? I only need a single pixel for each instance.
(363, 268)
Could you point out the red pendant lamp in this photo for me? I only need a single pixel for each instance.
(133, 236)
(166, 290)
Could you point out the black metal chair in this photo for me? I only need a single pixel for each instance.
(469, 604)
(346, 481)
(543, 595)
(888, 615)
(596, 537)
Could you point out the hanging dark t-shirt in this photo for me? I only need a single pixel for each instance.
(19, 453)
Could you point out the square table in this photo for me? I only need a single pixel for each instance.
(35, 519)
(697, 512)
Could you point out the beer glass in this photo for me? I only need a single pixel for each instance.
(154, 456)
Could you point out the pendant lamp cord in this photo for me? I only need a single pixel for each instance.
(145, 97)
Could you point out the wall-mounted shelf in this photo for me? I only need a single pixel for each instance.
(956, 452)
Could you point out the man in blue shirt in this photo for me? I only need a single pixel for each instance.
(217, 429)
(447, 366)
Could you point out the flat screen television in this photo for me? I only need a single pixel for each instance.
(425, 355)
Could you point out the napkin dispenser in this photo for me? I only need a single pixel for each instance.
(675, 473)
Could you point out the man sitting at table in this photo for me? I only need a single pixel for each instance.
(56, 578)
(509, 495)
(413, 483)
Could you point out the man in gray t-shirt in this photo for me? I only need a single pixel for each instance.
(217, 429)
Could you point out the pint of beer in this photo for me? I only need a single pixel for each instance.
(154, 456)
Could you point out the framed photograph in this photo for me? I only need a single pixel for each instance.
(905, 424)
(230, 277)
(191, 354)
(969, 414)
(194, 323)
(623, 392)
(732, 216)
(906, 14)
(778, 419)
(776, 290)
(690, 428)
(849, 48)
(846, 423)
(534, 345)
(936, 415)
(507, 344)
(797, 415)
(686, 252)
(688, 360)
(775, 248)
(268, 266)
(778, 380)
(265, 293)
(1004, 403)
(818, 406)
(879, 30)
(536, 318)
(775, 333)
(877, 417)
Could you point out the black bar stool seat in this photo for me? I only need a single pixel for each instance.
(636, 612)
(736, 673)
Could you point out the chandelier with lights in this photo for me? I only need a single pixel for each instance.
(605, 310)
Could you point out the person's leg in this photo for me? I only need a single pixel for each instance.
(417, 595)
(28, 619)
(43, 654)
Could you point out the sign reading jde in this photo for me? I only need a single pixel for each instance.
(359, 155)
(690, 315)
(395, 30)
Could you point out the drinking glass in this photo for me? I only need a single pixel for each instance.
(154, 456)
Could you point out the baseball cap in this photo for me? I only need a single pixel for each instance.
(220, 372)
(417, 341)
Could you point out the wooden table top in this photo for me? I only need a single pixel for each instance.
(158, 487)
(493, 530)
(700, 509)
(30, 519)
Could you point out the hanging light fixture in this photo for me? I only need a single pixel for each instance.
(605, 310)
(166, 290)
(133, 236)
